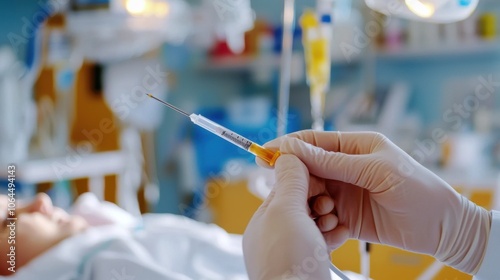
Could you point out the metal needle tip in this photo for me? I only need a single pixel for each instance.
(168, 105)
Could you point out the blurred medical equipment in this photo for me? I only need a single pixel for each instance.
(382, 111)
(56, 110)
(222, 20)
(260, 181)
(235, 18)
(131, 28)
(15, 92)
(364, 250)
(230, 136)
(316, 40)
(317, 33)
(128, 28)
(121, 33)
(286, 60)
(125, 86)
(438, 11)
(130, 179)
(117, 34)
(337, 273)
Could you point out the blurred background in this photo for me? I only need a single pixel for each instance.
(75, 117)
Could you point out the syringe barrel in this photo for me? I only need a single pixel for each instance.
(221, 131)
(238, 140)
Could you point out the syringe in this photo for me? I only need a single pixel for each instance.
(230, 136)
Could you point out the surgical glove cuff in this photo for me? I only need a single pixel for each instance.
(463, 246)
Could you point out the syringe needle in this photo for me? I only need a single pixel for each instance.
(267, 155)
(169, 105)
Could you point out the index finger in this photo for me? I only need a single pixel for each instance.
(353, 143)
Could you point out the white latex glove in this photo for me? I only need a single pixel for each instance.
(382, 195)
(282, 240)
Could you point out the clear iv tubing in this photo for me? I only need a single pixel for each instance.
(265, 154)
(338, 272)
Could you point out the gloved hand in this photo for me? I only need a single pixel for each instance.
(282, 240)
(382, 195)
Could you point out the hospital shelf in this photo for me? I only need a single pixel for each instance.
(246, 63)
(441, 50)
(237, 63)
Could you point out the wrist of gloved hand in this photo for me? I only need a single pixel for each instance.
(464, 245)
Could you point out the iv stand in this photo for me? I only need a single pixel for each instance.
(286, 58)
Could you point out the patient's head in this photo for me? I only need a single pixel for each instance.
(39, 226)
